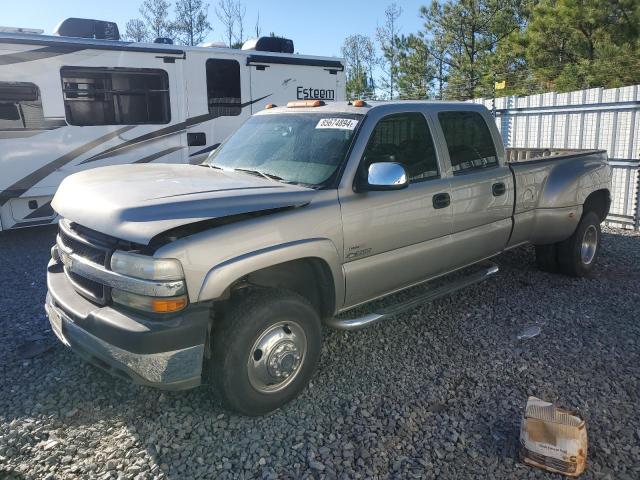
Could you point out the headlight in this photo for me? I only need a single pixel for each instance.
(146, 267)
(149, 304)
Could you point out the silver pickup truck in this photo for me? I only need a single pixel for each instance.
(224, 273)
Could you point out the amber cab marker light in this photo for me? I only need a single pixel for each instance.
(270, 105)
(168, 305)
(359, 103)
(305, 103)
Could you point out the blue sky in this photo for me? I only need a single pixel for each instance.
(316, 28)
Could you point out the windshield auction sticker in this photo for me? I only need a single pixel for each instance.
(340, 123)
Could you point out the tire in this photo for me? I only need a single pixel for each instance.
(577, 254)
(547, 257)
(266, 333)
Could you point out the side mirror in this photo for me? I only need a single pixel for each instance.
(386, 176)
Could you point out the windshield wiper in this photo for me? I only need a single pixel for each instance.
(270, 176)
(209, 165)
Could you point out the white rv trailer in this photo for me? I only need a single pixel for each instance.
(68, 104)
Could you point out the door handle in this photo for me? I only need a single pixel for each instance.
(498, 189)
(441, 200)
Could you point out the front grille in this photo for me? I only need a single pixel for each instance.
(88, 288)
(93, 249)
(90, 252)
(93, 246)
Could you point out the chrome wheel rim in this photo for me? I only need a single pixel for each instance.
(589, 244)
(276, 358)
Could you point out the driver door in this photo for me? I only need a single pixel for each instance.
(393, 239)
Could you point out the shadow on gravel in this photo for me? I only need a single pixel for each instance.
(435, 393)
(10, 474)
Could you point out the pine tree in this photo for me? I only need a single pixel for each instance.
(575, 44)
(191, 25)
(387, 36)
(468, 33)
(416, 70)
(136, 31)
(360, 58)
(155, 14)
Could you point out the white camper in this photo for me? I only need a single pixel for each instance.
(68, 104)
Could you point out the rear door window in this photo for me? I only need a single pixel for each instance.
(469, 141)
(99, 96)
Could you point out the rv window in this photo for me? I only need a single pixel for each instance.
(21, 108)
(9, 111)
(223, 87)
(18, 92)
(98, 96)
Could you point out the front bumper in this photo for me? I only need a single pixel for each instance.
(165, 353)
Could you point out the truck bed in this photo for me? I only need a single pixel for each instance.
(519, 155)
(550, 188)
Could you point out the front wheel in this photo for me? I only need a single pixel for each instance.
(265, 350)
(577, 254)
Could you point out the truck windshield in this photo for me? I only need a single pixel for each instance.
(303, 148)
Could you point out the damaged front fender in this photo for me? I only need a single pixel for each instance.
(225, 274)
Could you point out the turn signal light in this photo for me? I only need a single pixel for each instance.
(168, 305)
(270, 105)
(305, 103)
(149, 304)
(359, 103)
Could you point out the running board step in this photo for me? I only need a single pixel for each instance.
(385, 313)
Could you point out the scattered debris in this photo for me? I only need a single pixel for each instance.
(553, 439)
(48, 444)
(529, 332)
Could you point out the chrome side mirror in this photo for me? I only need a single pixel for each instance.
(386, 176)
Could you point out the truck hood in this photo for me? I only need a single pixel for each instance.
(137, 202)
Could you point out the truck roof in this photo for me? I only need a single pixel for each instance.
(348, 107)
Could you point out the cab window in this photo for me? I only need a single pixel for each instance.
(469, 141)
(404, 138)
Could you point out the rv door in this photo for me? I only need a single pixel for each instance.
(218, 98)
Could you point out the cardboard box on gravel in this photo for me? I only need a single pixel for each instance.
(553, 439)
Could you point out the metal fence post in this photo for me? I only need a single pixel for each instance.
(636, 212)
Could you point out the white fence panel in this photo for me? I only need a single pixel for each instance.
(593, 118)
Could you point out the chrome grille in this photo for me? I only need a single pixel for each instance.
(90, 252)
(88, 288)
(70, 241)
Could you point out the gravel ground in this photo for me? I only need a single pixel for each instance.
(438, 392)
